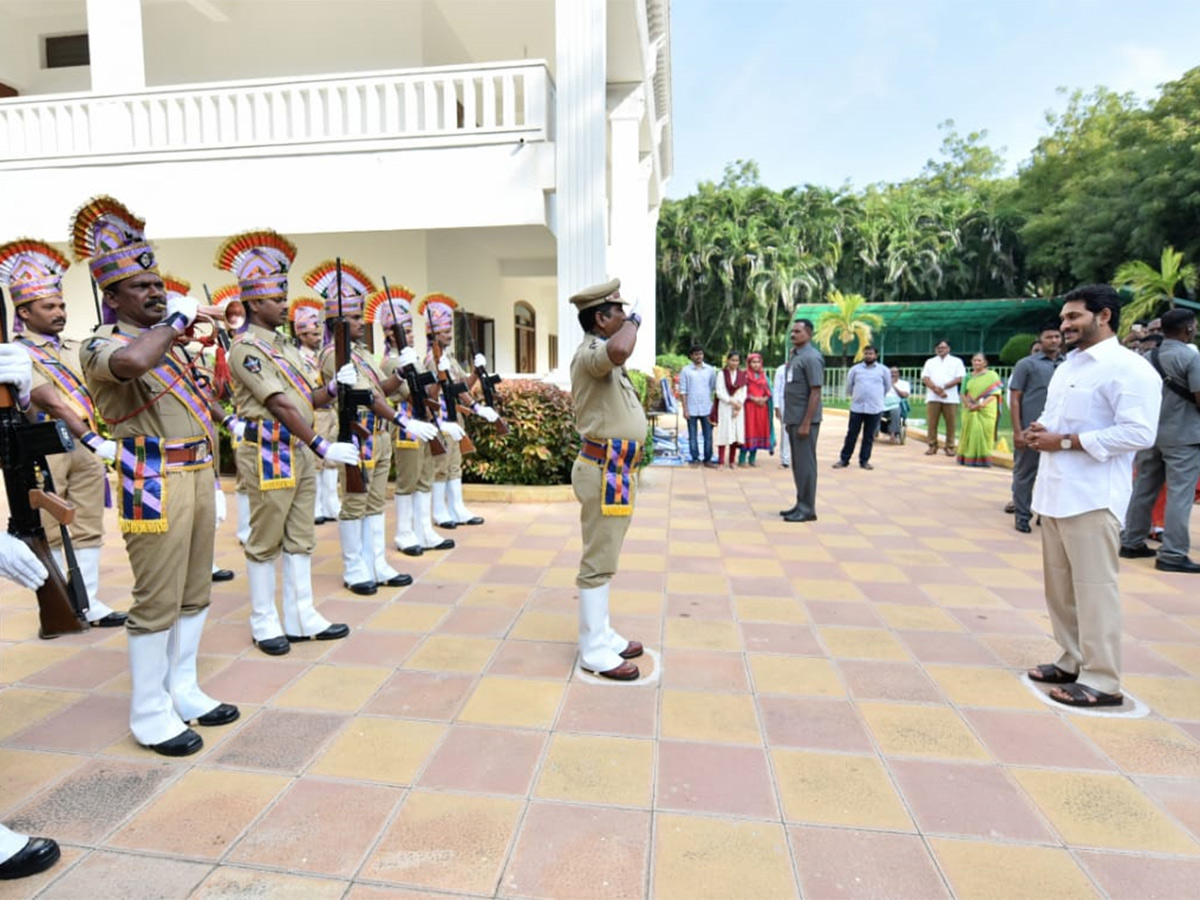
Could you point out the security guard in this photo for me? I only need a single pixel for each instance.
(612, 425)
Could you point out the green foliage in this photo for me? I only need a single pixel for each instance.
(1153, 289)
(848, 323)
(672, 362)
(541, 444)
(641, 384)
(1016, 348)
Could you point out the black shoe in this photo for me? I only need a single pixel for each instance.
(1141, 551)
(223, 575)
(789, 512)
(1183, 565)
(445, 544)
(112, 620)
(711, 465)
(1022, 527)
(447, 524)
(363, 589)
(223, 714)
(797, 517)
(865, 466)
(276, 646)
(185, 743)
(37, 855)
(320, 520)
(414, 550)
(332, 633)
(841, 465)
(474, 520)
(399, 580)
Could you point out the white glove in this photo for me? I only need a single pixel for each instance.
(18, 563)
(480, 361)
(407, 357)
(486, 412)
(185, 306)
(107, 451)
(453, 431)
(422, 431)
(347, 375)
(343, 453)
(219, 505)
(444, 362)
(16, 368)
(238, 428)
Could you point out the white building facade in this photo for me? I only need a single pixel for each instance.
(505, 152)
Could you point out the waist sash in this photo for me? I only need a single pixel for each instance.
(144, 463)
(618, 458)
(275, 469)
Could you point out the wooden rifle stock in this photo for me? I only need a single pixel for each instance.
(423, 407)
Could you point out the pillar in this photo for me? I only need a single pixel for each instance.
(118, 60)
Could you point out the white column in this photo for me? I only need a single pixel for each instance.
(580, 136)
(118, 61)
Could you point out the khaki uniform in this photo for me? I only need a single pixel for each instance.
(413, 459)
(172, 568)
(606, 407)
(448, 466)
(358, 506)
(281, 518)
(326, 417)
(79, 476)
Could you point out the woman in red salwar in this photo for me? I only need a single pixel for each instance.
(757, 411)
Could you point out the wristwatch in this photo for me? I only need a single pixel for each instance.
(1065, 443)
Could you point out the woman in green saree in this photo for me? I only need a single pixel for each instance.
(981, 396)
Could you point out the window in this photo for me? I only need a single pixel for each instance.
(66, 50)
(525, 344)
(468, 329)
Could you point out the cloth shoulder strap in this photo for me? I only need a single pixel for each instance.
(1170, 382)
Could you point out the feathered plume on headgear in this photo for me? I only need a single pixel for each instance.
(260, 260)
(356, 286)
(225, 293)
(305, 312)
(441, 310)
(105, 232)
(175, 286)
(31, 270)
(381, 303)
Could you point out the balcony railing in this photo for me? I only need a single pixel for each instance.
(443, 106)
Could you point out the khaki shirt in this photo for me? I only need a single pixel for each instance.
(65, 353)
(257, 376)
(369, 375)
(457, 374)
(606, 402)
(166, 416)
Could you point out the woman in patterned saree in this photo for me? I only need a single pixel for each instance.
(981, 398)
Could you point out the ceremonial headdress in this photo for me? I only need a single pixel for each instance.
(356, 286)
(112, 239)
(175, 287)
(260, 260)
(381, 303)
(609, 292)
(440, 309)
(31, 270)
(305, 312)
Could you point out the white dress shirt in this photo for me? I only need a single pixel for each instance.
(1110, 397)
(942, 370)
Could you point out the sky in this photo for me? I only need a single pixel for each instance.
(825, 91)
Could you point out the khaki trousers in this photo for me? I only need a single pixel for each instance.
(414, 469)
(1079, 559)
(172, 570)
(448, 466)
(281, 520)
(602, 535)
(358, 506)
(79, 477)
(948, 413)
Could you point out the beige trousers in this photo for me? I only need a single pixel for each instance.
(602, 535)
(281, 520)
(948, 413)
(448, 466)
(358, 506)
(414, 469)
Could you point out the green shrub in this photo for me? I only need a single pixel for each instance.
(673, 362)
(1016, 348)
(641, 384)
(541, 444)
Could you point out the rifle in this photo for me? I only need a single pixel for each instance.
(486, 381)
(451, 390)
(96, 302)
(420, 401)
(349, 399)
(23, 449)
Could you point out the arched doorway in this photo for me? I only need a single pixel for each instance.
(525, 322)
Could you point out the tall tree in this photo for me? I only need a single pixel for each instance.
(848, 323)
(1153, 289)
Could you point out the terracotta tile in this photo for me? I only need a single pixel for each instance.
(994, 621)
(940, 647)
(86, 727)
(710, 858)
(839, 863)
(697, 716)
(485, 760)
(715, 778)
(534, 659)
(430, 829)
(386, 649)
(601, 709)
(231, 881)
(1033, 739)
(935, 731)
(699, 606)
(1021, 651)
(764, 637)
(861, 643)
(1144, 746)
(579, 851)
(591, 769)
(770, 609)
(22, 707)
(1178, 796)
(201, 815)
(838, 789)
(418, 617)
(380, 750)
(477, 621)
(20, 661)
(523, 702)
(23, 773)
(83, 671)
(883, 680)
(974, 686)
(1175, 698)
(700, 634)
(795, 675)
(332, 824)
(917, 618)
(813, 723)
(809, 588)
(1136, 877)
(696, 583)
(704, 670)
(502, 595)
(1009, 872)
(252, 680)
(280, 740)
(421, 695)
(122, 875)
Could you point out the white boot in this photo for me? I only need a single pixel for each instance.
(375, 531)
(598, 643)
(243, 517)
(423, 524)
(264, 619)
(354, 568)
(88, 559)
(152, 716)
(406, 539)
(11, 843)
(300, 616)
(441, 509)
(190, 701)
(328, 504)
(458, 509)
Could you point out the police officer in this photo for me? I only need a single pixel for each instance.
(305, 314)
(612, 425)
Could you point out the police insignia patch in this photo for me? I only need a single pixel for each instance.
(146, 259)
(252, 364)
(94, 343)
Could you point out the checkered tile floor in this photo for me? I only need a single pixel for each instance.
(833, 710)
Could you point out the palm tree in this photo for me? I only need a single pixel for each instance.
(1152, 287)
(847, 323)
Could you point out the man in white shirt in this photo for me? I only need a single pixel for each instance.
(785, 446)
(1102, 407)
(941, 375)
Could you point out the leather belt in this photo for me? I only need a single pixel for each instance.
(188, 453)
(593, 450)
